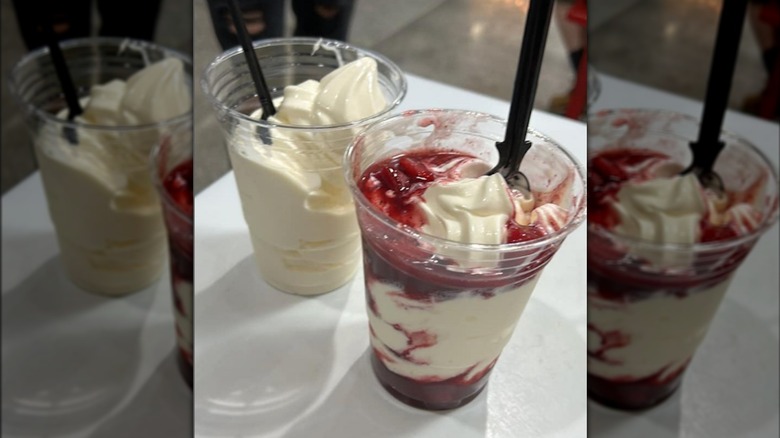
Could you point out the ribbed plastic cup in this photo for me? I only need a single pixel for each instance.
(298, 209)
(650, 305)
(440, 312)
(106, 215)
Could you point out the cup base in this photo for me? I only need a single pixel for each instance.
(109, 291)
(302, 292)
(271, 275)
(433, 396)
(109, 284)
(631, 396)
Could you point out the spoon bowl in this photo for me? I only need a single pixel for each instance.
(703, 162)
(509, 167)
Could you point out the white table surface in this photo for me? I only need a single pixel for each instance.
(76, 364)
(731, 386)
(269, 364)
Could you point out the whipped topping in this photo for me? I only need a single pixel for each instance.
(470, 211)
(345, 95)
(476, 210)
(99, 192)
(662, 210)
(293, 194)
(158, 92)
(154, 94)
(661, 205)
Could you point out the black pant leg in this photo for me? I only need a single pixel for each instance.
(311, 23)
(72, 19)
(272, 16)
(133, 19)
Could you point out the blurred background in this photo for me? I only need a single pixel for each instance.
(668, 44)
(472, 44)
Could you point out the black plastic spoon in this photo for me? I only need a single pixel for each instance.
(66, 82)
(706, 149)
(263, 93)
(514, 147)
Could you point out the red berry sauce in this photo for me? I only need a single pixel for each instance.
(396, 186)
(178, 185)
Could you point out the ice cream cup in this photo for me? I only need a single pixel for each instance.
(172, 176)
(440, 311)
(105, 211)
(650, 304)
(298, 209)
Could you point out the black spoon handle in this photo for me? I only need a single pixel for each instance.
(527, 77)
(707, 147)
(63, 74)
(263, 93)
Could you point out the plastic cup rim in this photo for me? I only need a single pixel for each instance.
(434, 241)
(85, 42)
(238, 51)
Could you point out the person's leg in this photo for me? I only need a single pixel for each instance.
(69, 19)
(263, 19)
(323, 18)
(765, 31)
(573, 34)
(134, 19)
(765, 34)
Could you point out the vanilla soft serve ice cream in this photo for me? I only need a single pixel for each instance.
(662, 250)
(451, 254)
(99, 191)
(658, 206)
(299, 211)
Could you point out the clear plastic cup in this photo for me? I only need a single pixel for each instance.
(440, 312)
(100, 197)
(299, 212)
(649, 304)
(172, 175)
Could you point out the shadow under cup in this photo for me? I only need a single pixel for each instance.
(172, 175)
(440, 312)
(295, 202)
(100, 198)
(650, 305)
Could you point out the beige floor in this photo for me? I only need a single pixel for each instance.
(472, 44)
(668, 44)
